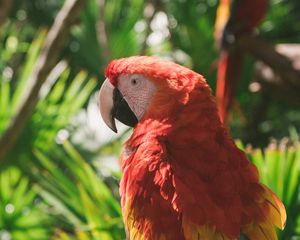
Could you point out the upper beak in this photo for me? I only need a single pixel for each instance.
(107, 104)
(113, 105)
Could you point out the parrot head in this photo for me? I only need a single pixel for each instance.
(139, 87)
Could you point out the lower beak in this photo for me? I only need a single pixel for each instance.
(114, 106)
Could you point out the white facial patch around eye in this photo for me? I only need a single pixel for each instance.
(137, 90)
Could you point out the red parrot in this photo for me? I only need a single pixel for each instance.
(234, 19)
(183, 176)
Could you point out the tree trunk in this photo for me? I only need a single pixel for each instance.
(48, 58)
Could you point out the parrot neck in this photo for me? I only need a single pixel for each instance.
(193, 122)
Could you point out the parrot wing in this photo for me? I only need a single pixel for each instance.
(219, 195)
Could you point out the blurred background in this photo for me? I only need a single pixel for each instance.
(58, 162)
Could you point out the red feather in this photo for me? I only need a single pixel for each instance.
(244, 17)
(183, 176)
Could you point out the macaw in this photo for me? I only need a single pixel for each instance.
(183, 176)
(234, 19)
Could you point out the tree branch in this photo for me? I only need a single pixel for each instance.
(46, 61)
(267, 53)
(102, 33)
(278, 67)
(274, 84)
(5, 7)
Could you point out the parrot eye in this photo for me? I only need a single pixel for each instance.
(134, 81)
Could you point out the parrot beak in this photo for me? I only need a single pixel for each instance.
(114, 106)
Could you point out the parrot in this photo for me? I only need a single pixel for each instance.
(183, 177)
(234, 19)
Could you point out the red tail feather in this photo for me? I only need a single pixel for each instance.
(229, 71)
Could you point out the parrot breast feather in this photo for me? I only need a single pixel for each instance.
(147, 190)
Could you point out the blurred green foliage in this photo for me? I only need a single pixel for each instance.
(53, 188)
(279, 168)
(80, 201)
(187, 38)
(21, 212)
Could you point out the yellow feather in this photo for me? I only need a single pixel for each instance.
(204, 232)
(260, 231)
(277, 213)
(223, 13)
